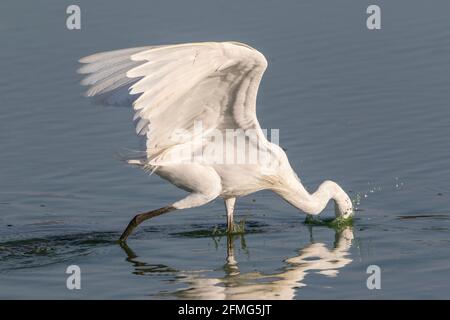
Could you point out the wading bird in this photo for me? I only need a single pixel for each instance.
(173, 87)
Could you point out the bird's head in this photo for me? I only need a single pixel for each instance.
(343, 206)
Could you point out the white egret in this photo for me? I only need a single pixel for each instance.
(173, 87)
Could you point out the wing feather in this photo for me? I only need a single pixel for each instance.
(173, 86)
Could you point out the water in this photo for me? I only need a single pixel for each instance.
(367, 109)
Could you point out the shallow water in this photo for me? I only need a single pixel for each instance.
(368, 109)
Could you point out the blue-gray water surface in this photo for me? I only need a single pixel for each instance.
(368, 109)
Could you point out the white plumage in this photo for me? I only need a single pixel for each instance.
(174, 87)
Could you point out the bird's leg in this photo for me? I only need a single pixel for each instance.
(229, 205)
(138, 219)
(231, 267)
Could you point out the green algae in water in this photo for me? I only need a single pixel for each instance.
(338, 223)
(238, 228)
(220, 231)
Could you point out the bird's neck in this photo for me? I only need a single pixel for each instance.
(292, 191)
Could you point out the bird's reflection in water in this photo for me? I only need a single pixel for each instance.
(143, 268)
(314, 257)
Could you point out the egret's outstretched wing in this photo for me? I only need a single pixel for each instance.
(171, 87)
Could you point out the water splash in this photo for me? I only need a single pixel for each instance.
(374, 188)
